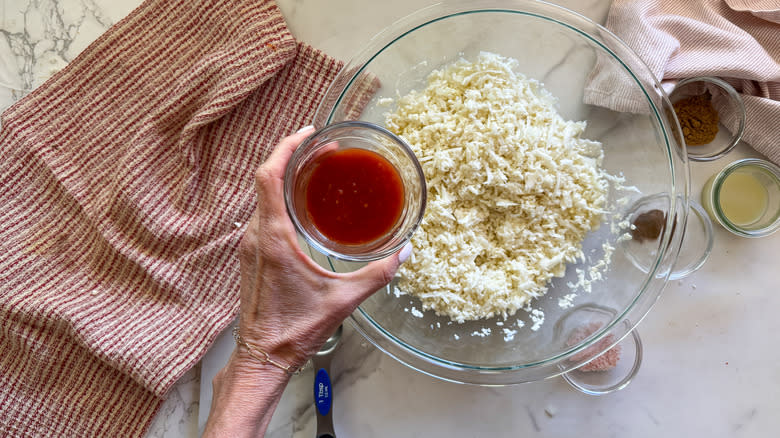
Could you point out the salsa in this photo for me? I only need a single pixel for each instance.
(354, 196)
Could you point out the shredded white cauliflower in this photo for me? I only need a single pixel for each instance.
(512, 189)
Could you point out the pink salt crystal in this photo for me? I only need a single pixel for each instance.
(606, 361)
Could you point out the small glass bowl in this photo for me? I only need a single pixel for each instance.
(731, 114)
(744, 197)
(613, 379)
(697, 241)
(367, 136)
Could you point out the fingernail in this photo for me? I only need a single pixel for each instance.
(406, 251)
(304, 129)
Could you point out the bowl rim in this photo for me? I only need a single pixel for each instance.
(650, 289)
(696, 212)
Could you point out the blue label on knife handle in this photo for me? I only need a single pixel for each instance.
(323, 396)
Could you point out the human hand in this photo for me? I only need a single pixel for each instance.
(289, 304)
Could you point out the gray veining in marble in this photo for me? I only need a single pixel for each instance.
(178, 415)
(40, 37)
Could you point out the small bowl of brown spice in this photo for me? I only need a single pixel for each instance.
(711, 116)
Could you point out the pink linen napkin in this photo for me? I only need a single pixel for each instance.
(125, 184)
(737, 40)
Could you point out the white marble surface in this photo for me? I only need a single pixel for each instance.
(710, 357)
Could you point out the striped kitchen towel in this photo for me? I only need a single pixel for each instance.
(125, 181)
(737, 40)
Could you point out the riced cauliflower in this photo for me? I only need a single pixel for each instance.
(512, 189)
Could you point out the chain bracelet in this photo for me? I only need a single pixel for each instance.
(263, 357)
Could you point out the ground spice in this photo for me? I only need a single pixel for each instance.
(648, 225)
(698, 119)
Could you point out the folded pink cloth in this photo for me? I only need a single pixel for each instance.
(737, 40)
(125, 182)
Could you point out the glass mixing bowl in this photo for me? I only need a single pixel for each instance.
(559, 48)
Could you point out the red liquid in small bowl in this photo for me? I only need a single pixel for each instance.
(354, 196)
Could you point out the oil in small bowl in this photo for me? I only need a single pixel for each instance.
(744, 197)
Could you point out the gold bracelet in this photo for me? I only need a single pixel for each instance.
(263, 357)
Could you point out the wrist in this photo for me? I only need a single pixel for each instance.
(290, 363)
(243, 373)
(245, 394)
(282, 349)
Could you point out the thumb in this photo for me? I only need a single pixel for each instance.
(379, 273)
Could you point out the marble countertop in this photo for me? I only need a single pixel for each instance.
(710, 356)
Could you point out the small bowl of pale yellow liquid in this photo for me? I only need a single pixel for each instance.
(744, 197)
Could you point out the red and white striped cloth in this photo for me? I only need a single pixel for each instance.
(737, 40)
(124, 183)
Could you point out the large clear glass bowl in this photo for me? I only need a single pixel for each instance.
(559, 48)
